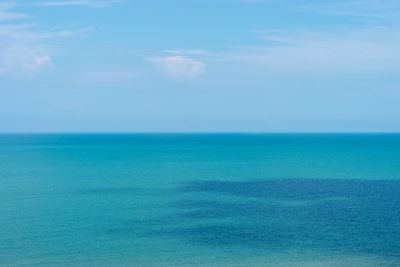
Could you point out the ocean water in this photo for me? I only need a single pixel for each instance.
(200, 200)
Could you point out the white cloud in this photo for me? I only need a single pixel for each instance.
(88, 3)
(186, 52)
(23, 48)
(22, 51)
(19, 60)
(5, 13)
(179, 66)
(39, 61)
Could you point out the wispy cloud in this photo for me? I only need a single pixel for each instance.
(6, 14)
(20, 51)
(378, 9)
(185, 52)
(364, 4)
(88, 3)
(22, 32)
(179, 66)
(19, 59)
(359, 9)
(24, 48)
(371, 52)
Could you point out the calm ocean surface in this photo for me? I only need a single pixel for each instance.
(200, 200)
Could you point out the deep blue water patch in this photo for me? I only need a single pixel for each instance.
(351, 216)
(299, 188)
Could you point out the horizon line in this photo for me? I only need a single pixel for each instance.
(199, 132)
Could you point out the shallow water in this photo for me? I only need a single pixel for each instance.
(200, 200)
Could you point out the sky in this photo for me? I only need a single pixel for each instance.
(199, 66)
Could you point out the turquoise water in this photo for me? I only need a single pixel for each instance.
(200, 200)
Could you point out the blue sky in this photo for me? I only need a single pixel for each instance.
(200, 66)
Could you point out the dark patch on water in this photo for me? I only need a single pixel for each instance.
(351, 216)
(298, 188)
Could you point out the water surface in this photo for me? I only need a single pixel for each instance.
(200, 200)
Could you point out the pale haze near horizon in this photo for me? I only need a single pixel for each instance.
(200, 66)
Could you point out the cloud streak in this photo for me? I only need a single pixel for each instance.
(179, 66)
(182, 52)
(376, 9)
(374, 50)
(88, 3)
(6, 14)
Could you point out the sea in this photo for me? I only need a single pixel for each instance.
(200, 200)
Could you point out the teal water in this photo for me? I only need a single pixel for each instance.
(200, 200)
